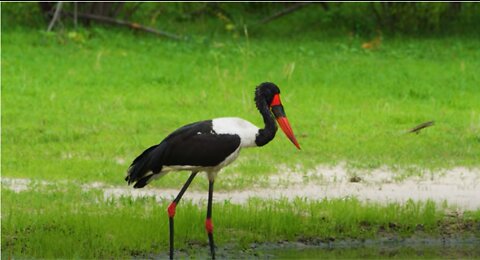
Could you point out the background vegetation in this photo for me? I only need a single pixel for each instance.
(209, 19)
(80, 102)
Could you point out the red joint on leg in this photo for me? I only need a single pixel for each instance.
(209, 225)
(171, 209)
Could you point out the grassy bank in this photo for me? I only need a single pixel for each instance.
(79, 106)
(82, 105)
(55, 221)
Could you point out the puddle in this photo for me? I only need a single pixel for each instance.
(458, 186)
(404, 252)
(407, 248)
(396, 248)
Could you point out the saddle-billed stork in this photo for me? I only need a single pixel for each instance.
(209, 146)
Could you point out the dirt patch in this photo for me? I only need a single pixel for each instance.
(459, 187)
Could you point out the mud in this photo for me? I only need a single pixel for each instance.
(352, 249)
(459, 187)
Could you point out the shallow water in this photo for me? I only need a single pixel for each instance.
(376, 249)
(399, 252)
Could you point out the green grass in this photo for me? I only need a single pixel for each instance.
(81, 106)
(57, 221)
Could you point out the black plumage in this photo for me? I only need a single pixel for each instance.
(195, 144)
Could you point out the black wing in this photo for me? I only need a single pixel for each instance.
(198, 145)
(195, 144)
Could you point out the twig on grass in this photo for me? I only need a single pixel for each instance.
(420, 127)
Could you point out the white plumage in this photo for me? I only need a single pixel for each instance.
(237, 126)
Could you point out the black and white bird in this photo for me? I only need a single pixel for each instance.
(208, 146)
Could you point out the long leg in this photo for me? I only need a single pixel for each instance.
(208, 221)
(173, 205)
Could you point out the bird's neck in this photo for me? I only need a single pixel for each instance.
(266, 134)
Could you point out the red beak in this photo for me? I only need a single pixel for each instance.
(287, 129)
(279, 113)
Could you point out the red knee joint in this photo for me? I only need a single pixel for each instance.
(209, 225)
(171, 209)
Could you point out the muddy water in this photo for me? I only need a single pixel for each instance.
(464, 248)
(434, 252)
(402, 250)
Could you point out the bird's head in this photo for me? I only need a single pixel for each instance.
(268, 94)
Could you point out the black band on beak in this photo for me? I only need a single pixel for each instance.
(278, 111)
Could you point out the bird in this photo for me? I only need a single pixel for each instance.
(208, 146)
(420, 127)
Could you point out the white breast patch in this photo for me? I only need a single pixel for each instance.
(237, 126)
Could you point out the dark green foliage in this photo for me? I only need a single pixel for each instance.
(424, 17)
(366, 19)
(16, 15)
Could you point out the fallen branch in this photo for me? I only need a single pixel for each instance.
(283, 12)
(135, 26)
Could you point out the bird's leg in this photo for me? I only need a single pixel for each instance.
(173, 205)
(208, 222)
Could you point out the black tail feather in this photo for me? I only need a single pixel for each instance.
(149, 161)
(143, 181)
